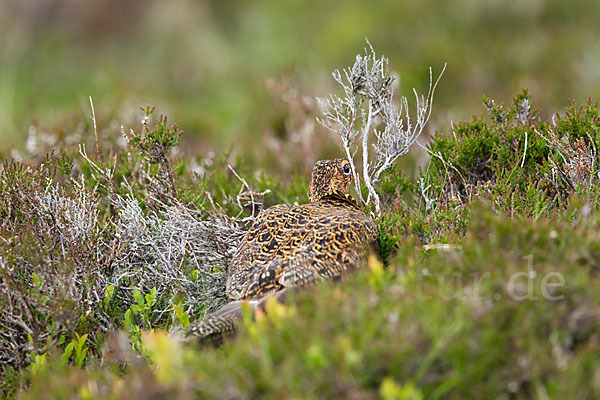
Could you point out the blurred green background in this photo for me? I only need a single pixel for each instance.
(231, 73)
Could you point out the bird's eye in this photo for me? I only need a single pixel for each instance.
(346, 169)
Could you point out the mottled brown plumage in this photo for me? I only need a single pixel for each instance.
(222, 323)
(297, 245)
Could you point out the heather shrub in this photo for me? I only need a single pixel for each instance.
(488, 286)
(523, 165)
(90, 247)
(454, 323)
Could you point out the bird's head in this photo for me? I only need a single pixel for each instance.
(329, 176)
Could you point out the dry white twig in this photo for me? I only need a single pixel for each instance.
(168, 247)
(249, 193)
(95, 129)
(367, 107)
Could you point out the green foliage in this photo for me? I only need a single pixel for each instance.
(77, 344)
(144, 305)
(181, 315)
(526, 166)
(139, 316)
(465, 322)
(154, 142)
(521, 162)
(390, 390)
(488, 287)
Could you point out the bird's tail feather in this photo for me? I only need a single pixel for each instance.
(223, 322)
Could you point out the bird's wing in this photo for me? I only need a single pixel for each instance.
(260, 246)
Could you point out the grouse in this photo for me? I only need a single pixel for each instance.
(291, 246)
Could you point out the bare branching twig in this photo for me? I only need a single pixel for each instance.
(368, 108)
(256, 206)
